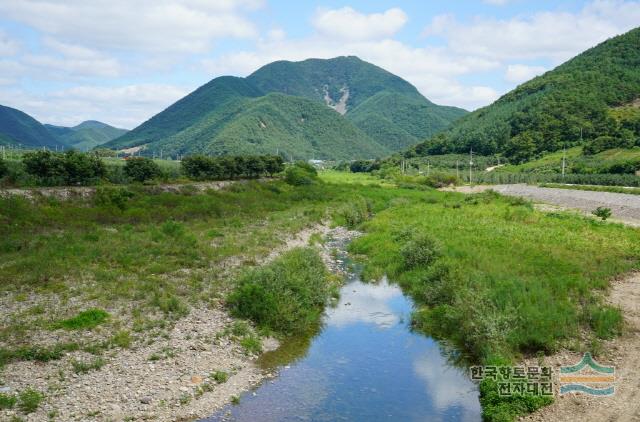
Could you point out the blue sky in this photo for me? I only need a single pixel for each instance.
(121, 61)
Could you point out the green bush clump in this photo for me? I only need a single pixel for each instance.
(497, 408)
(602, 213)
(200, 167)
(71, 168)
(7, 401)
(355, 211)
(113, 197)
(85, 320)
(300, 174)
(29, 400)
(286, 295)
(422, 250)
(441, 179)
(141, 169)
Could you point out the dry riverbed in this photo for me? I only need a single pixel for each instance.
(177, 375)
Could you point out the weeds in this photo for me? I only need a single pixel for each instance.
(82, 367)
(85, 320)
(287, 295)
(29, 400)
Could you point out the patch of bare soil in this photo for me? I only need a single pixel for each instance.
(623, 353)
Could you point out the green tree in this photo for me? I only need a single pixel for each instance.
(45, 165)
(82, 169)
(141, 169)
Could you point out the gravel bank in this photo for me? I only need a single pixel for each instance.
(624, 207)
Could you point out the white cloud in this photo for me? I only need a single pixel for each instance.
(123, 106)
(518, 73)
(8, 46)
(183, 26)
(496, 2)
(550, 35)
(432, 70)
(349, 24)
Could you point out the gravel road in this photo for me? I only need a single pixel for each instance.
(624, 207)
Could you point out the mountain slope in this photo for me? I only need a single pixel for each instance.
(569, 105)
(377, 113)
(87, 135)
(187, 111)
(17, 127)
(385, 106)
(292, 126)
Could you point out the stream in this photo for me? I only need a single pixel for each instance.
(363, 364)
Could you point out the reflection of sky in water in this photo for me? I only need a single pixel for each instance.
(365, 365)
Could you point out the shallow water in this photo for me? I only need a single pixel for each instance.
(363, 364)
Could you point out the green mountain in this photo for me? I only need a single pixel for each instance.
(385, 106)
(287, 107)
(87, 135)
(17, 127)
(587, 100)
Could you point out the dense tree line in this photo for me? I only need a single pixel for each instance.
(70, 168)
(200, 167)
(584, 101)
(364, 166)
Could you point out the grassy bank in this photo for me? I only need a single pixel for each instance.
(499, 280)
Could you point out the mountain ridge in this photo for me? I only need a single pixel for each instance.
(348, 82)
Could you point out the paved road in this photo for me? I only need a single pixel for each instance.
(624, 207)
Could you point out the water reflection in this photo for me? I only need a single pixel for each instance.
(363, 363)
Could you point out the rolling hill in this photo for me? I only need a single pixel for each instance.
(587, 100)
(17, 127)
(87, 135)
(286, 107)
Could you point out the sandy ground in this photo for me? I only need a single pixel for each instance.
(624, 207)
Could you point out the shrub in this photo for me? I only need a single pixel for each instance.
(112, 197)
(7, 401)
(300, 174)
(45, 165)
(420, 251)
(85, 320)
(82, 169)
(440, 180)
(141, 169)
(29, 400)
(200, 167)
(220, 377)
(72, 168)
(81, 367)
(602, 213)
(287, 295)
(355, 212)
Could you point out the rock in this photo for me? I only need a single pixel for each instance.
(196, 379)
(145, 400)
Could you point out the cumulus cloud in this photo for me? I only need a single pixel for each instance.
(518, 73)
(553, 35)
(122, 106)
(8, 46)
(349, 24)
(183, 26)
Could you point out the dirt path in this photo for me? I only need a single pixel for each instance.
(623, 353)
(624, 207)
